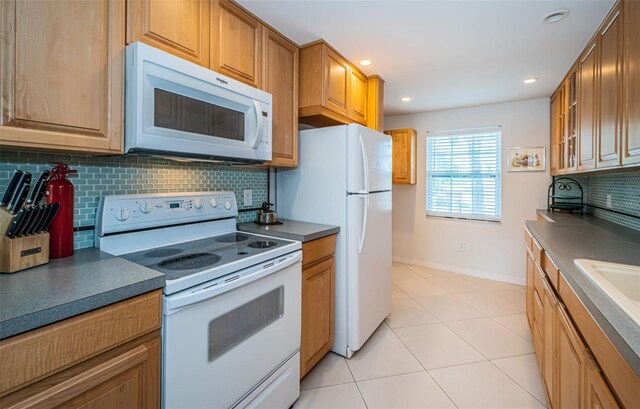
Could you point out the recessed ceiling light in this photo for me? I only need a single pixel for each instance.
(554, 16)
(530, 80)
(406, 99)
(365, 62)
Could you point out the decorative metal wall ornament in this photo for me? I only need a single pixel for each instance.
(565, 194)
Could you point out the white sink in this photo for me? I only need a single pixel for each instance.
(621, 282)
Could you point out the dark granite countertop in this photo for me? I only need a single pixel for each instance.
(291, 229)
(573, 236)
(70, 286)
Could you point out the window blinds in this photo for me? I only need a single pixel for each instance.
(463, 174)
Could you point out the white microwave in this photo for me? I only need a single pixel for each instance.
(177, 109)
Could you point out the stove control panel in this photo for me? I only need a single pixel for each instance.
(121, 213)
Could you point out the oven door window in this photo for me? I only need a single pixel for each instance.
(181, 113)
(237, 325)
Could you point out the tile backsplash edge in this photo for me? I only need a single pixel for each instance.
(103, 175)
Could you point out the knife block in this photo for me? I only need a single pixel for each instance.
(19, 253)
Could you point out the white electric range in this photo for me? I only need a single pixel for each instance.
(231, 304)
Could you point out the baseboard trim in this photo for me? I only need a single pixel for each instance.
(461, 270)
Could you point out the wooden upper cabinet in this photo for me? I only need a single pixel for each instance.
(631, 74)
(177, 27)
(236, 43)
(570, 364)
(375, 102)
(62, 75)
(555, 135)
(404, 155)
(357, 95)
(333, 91)
(610, 86)
(588, 108)
(336, 79)
(281, 81)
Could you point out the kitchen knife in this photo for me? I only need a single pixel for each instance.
(38, 188)
(25, 179)
(19, 198)
(11, 187)
(26, 220)
(46, 211)
(15, 224)
(52, 215)
(36, 220)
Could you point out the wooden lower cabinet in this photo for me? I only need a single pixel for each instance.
(318, 299)
(570, 373)
(127, 377)
(106, 358)
(598, 393)
(570, 362)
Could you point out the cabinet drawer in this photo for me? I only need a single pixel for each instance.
(75, 340)
(538, 251)
(528, 239)
(316, 250)
(538, 313)
(549, 267)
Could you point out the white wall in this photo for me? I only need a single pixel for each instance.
(492, 250)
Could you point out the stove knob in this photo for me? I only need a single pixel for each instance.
(146, 207)
(227, 205)
(122, 214)
(213, 202)
(197, 202)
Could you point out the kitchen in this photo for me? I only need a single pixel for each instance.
(422, 299)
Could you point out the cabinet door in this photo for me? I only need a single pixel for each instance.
(336, 77)
(631, 126)
(530, 287)
(404, 156)
(555, 134)
(357, 94)
(281, 81)
(128, 377)
(317, 313)
(549, 303)
(570, 363)
(598, 393)
(236, 43)
(177, 27)
(375, 103)
(62, 77)
(610, 87)
(587, 106)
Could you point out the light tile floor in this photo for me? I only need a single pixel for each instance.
(450, 341)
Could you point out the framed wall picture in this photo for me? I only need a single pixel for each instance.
(527, 159)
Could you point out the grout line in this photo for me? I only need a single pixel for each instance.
(346, 361)
(517, 383)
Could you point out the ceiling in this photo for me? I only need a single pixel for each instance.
(445, 54)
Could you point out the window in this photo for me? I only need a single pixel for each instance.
(463, 174)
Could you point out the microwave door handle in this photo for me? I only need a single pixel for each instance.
(258, 108)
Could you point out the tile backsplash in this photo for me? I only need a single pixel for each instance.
(99, 176)
(624, 189)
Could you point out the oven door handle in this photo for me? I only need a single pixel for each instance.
(175, 303)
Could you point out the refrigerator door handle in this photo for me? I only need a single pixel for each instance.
(365, 164)
(365, 217)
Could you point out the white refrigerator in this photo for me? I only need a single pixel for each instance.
(344, 179)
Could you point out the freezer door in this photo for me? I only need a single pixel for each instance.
(368, 265)
(368, 160)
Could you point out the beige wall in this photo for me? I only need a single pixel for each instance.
(491, 250)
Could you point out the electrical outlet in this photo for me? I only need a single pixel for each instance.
(609, 201)
(248, 197)
(461, 246)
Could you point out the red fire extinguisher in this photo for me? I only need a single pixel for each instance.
(59, 189)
